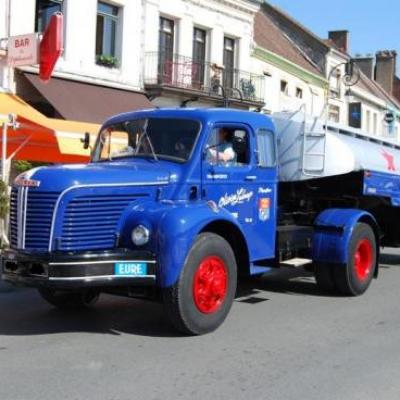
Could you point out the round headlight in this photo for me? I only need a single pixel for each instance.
(140, 235)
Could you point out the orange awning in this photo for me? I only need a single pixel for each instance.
(43, 139)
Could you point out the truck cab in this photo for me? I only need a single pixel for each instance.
(174, 202)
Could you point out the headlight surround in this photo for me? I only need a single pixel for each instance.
(140, 235)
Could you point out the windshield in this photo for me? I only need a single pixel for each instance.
(155, 138)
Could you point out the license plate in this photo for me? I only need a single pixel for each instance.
(130, 269)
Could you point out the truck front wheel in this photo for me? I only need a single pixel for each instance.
(69, 299)
(354, 278)
(202, 297)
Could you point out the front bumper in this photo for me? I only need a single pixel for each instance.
(76, 270)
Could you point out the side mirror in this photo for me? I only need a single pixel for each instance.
(86, 141)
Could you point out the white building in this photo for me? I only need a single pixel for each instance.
(294, 59)
(115, 52)
(196, 51)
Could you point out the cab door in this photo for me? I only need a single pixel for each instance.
(244, 189)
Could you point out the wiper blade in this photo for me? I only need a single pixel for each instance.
(146, 135)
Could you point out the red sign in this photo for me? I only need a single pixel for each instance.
(51, 46)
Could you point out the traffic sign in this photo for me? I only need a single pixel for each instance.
(51, 46)
(23, 50)
(389, 117)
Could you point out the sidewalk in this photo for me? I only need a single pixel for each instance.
(5, 287)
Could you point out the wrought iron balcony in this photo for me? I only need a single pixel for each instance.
(204, 78)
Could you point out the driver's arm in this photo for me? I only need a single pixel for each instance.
(226, 156)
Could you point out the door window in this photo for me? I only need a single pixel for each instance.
(229, 62)
(229, 147)
(199, 56)
(166, 50)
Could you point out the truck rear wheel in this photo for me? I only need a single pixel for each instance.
(354, 278)
(69, 299)
(202, 297)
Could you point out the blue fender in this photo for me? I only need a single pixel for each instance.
(333, 231)
(174, 227)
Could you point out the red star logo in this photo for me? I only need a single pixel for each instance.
(390, 160)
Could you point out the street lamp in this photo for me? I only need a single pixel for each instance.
(352, 73)
(351, 77)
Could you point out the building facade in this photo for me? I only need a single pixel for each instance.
(196, 52)
(292, 81)
(361, 101)
(176, 53)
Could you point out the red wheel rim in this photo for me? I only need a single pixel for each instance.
(210, 285)
(363, 259)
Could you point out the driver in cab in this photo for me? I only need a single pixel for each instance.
(223, 151)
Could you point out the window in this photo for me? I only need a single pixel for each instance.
(229, 62)
(166, 139)
(166, 50)
(44, 10)
(355, 114)
(375, 124)
(199, 56)
(299, 93)
(266, 148)
(334, 113)
(106, 32)
(368, 121)
(335, 84)
(229, 147)
(284, 87)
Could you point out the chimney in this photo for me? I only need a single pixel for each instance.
(341, 40)
(386, 69)
(366, 64)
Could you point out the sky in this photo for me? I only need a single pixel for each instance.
(373, 25)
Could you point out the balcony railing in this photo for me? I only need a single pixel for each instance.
(182, 72)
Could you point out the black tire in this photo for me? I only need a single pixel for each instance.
(345, 279)
(179, 300)
(69, 299)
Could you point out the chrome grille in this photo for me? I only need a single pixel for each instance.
(39, 215)
(90, 222)
(14, 218)
(31, 215)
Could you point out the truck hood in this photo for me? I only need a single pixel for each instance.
(59, 178)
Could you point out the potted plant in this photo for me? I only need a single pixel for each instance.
(107, 61)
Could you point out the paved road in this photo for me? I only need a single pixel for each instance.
(282, 340)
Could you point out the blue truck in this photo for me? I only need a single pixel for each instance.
(161, 213)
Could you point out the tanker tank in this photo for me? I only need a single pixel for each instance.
(311, 148)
